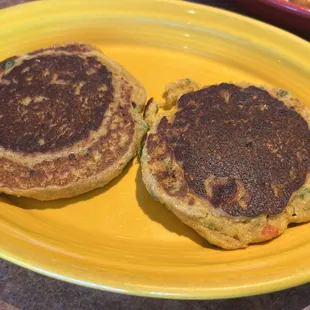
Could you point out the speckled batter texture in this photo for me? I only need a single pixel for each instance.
(231, 161)
(73, 120)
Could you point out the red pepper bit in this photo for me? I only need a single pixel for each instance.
(268, 230)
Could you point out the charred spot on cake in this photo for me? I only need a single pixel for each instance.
(246, 140)
(72, 156)
(32, 172)
(54, 112)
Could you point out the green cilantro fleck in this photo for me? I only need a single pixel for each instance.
(304, 192)
(8, 65)
(211, 226)
(140, 151)
(282, 93)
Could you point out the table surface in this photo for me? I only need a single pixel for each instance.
(23, 289)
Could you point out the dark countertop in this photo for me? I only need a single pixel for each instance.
(23, 289)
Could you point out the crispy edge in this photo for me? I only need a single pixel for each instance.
(225, 231)
(83, 186)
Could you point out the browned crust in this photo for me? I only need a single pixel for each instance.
(240, 148)
(230, 232)
(101, 140)
(52, 101)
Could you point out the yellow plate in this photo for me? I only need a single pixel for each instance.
(118, 238)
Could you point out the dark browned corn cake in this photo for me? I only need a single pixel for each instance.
(56, 99)
(242, 150)
(51, 102)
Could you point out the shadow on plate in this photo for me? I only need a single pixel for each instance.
(33, 204)
(157, 212)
